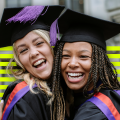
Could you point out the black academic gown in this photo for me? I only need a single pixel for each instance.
(30, 106)
(88, 111)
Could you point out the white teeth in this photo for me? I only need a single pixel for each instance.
(75, 74)
(78, 77)
(39, 62)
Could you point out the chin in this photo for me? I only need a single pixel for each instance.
(46, 76)
(74, 87)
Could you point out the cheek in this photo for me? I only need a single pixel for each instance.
(87, 65)
(51, 60)
(49, 55)
(23, 59)
(63, 65)
(46, 51)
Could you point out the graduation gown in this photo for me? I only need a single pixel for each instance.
(89, 111)
(30, 107)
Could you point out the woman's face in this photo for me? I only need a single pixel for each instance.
(76, 64)
(35, 55)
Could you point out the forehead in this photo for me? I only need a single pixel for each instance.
(31, 36)
(78, 46)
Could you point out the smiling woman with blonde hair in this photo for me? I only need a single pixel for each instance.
(23, 74)
(27, 30)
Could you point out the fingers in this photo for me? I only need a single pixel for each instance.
(1, 108)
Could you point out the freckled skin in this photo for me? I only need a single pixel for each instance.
(33, 47)
(77, 59)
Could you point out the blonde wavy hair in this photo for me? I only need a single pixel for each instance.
(25, 75)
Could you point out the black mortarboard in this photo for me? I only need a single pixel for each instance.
(17, 22)
(80, 27)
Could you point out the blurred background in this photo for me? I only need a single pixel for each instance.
(104, 9)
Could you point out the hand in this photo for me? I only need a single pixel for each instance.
(1, 108)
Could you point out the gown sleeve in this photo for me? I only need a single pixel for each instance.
(88, 111)
(30, 107)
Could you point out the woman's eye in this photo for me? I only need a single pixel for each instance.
(65, 56)
(23, 50)
(84, 56)
(39, 43)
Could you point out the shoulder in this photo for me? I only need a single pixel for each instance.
(10, 88)
(89, 111)
(40, 96)
(37, 103)
(30, 106)
(113, 96)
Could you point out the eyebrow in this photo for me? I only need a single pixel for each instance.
(22, 45)
(79, 51)
(66, 50)
(85, 51)
(35, 39)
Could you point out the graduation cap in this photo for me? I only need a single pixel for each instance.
(76, 27)
(17, 22)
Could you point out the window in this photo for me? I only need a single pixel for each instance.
(18, 3)
(76, 5)
(112, 4)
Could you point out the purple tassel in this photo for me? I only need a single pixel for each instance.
(45, 10)
(53, 33)
(28, 13)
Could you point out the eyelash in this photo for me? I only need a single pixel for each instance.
(39, 43)
(23, 50)
(84, 56)
(65, 55)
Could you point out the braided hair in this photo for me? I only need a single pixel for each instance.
(100, 67)
(59, 103)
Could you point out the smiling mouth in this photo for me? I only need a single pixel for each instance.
(75, 75)
(39, 63)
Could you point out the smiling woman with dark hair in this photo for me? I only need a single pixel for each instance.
(82, 67)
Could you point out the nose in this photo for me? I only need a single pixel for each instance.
(73, 63)
(34, 53)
